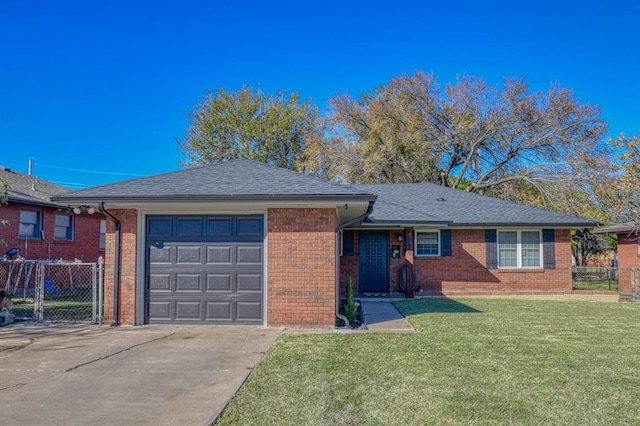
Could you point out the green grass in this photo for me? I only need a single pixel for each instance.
(596, 285)
(475, 361)
(55, 309)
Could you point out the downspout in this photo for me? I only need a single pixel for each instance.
(116, 259)
(338, 229)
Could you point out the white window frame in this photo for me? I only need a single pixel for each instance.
(519, 248)
(415, 242)
(69, 228)
(37, 226)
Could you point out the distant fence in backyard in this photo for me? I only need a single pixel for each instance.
(594, 278)
(54, 290)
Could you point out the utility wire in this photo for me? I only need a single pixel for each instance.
(87, 171)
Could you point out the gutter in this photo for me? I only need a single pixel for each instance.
(357, 219)
(116, 266)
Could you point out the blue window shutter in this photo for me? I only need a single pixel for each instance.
(549, 248)
(445, 242)
(491, 244)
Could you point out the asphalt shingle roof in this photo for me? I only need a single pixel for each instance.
(30, 189)
(416, 203)
(427, 202)
(233, 179)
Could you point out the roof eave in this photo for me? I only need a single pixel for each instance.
(453, 225)
(34, 203)
(555, 225)
(70, 199)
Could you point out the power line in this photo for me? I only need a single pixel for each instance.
(88, 171)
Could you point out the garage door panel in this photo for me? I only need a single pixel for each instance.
(249, 255)
(189, 254)
(220, 226)
(220, 311)
(249, 283)
(188, 282)
(214, 277)
(160, 311)
(160, 254)
(250, 227)
(189, 311)
(188, 227)
(219, 255)
(160, 282)
(219, 282)
(159, 227)
(249, 311)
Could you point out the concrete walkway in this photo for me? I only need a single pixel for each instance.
(65, 374)
(381, 315)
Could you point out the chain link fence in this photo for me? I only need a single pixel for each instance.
(635, 287)
(53, 291)
(595, 278)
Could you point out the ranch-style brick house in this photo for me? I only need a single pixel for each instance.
(42, 229)
(242, 242)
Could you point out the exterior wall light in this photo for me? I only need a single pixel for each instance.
(84, 209)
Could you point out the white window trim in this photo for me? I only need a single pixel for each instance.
(71, 227)
(415, 242)
(519, 248)
(37, 226)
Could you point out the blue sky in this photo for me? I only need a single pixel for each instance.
(106, 85)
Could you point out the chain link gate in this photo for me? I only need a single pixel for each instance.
(54, 291)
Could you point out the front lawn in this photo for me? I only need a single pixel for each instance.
(475, 361)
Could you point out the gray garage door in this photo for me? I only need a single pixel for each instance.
(205, 269)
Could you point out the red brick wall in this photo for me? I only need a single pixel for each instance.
(86, 236)
(127, 288)
(301, 267)
(464, 272)
(349, 266)
(627, 258)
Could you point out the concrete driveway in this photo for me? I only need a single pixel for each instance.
(145, 375)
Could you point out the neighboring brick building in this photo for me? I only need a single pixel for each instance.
(242, 242)
(42, 229)
(628, 252)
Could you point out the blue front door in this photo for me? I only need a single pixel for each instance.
(373, 262)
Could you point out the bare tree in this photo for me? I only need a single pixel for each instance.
(469, 135)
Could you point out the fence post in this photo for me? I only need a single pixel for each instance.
(38, 300)
(100, 289)
(634, 287)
